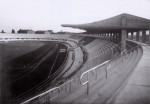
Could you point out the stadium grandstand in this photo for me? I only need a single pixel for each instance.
(108, 64)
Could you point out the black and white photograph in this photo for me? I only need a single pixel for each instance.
(74, 51)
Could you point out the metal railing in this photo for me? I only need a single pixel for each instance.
(46, 94)
(93, 70)
(56, 91)
(70, 81)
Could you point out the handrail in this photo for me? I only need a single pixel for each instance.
(41, 95)
(92, 69)
(80, 78)
(44, 93)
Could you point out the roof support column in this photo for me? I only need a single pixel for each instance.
(149, 38)
(123, 39)
(115, 37)
(127, 35)
(104, 35)
(137, 35)
(143, 36)
(108, 37)
(111, 37)
(131, 35)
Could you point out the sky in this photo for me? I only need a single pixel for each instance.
(50, 14)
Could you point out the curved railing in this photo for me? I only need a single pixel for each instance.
(49, 95)
(45, 82)
(53, 93)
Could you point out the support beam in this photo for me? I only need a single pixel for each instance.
(144, 36)
(123, 39)
(137, 35)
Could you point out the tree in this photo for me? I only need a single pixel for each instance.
(19, 31)
(2, 31)
(13, 31)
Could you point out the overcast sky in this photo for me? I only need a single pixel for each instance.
(50, 14)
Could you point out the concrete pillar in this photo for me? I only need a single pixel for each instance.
(106, 36)
(111, 37)
(144, 36)
(123, 39)
(101, 35)
(118, 37)
(114, 37)
(149, 38)
(127, 35)
(137, 35)
(131, 35)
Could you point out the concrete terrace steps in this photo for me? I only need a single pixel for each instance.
(85, 99)
(79, 98)
(98, 57)
(105, 49)
(76, 37)
(100, 44)
(137, 85)
(92, 44)
(95, 49)
(124, 75)
(113, 81)
(95, 43)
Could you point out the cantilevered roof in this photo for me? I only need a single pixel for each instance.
(121, 21)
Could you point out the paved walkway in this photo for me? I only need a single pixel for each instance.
(136, 90)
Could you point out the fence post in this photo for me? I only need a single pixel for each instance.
(106, 71)
(96, 74)
(112, 53)
(87, 88)
(70, 86)
(88, 83)
(48, 99)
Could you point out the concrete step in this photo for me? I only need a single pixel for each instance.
(78, 98)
